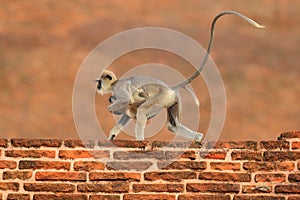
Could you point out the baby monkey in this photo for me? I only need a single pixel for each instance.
(142, 98)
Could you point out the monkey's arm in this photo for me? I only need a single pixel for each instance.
(118, 127)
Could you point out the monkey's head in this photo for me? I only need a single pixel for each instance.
(105, 82)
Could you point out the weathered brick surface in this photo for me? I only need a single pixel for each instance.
(158, 187)
(281, 155)
(238, 197)
(114, 176)
(3, 143)
(22, 175)
(30, 153)
(203, 197)
(247, 155)
(76, 154)
(109, 187)
(194, 165)
(272, 145)
(277, 177)
(221, 166)
(250, 189)
(213, 187)
(129, 165)
(149, 196)
(36, 142)
(49, 187)
(223, 176)
(46, 169)
(9, 186)
(60, 197)
(60, 176)
(8, 164)
(269, 166)
(39, 164)
(170, 176)
(105, 197)
(88, 165)
(80, 143)
(18, 197)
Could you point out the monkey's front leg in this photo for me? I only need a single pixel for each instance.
(141, 119)
(118, 127)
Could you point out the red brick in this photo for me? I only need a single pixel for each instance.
(296, 145)
(18, 197)
(294, 177)
(49, 187)
(289, 135)
(134, 155)
(79, 143)
(149, 196)
(246, 155)
(4, 143)
(194, 165)
(272, 145)
(288, 189)
(256, 189)
(60, 176)
(36, 142)
(213, 187)
(88, 165)
(105, 197)
(114, 176)
(268, 166)
(180, 155)
(9, 186)
(225, 166)
(158, 188)
(203, 197)
(250, 197)
(73, 154)
(168, 144)
(8, 164)
(217, 155)
(170, 176)
(281, 155)
(224, 176)
(125, 144)
(22, 175)
(270, 177)
(294, 198)
(60, 197)
(129, 165)
(251, 145)
(30, 153)
(109, 187)
(37, 164)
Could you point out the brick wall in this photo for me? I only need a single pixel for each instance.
(96, 170)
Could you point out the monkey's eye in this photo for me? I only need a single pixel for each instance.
(99, 85)
(112, 99)
(109, 77)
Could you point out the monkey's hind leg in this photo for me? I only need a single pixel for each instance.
(176, 127)
(118, 127)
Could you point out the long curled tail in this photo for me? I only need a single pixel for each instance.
(212, 30)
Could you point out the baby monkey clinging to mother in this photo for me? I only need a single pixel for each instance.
(142, 98)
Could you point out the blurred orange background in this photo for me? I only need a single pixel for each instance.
(43, 43)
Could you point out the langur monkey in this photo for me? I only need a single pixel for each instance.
(142, 98)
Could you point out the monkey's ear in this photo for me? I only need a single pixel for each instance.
(108, 76)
